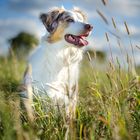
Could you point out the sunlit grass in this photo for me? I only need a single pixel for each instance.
(108, 106)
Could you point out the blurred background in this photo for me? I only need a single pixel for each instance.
(113, 20)
(109, 82)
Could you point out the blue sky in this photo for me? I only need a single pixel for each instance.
(22, 15)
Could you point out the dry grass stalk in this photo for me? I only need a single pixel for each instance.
(107, 38)
(101, 118)
(114, 24)
(127, 29)
(102, 16)
(17, 122)
(89, 57)
(137, 47)
(105, 2)
(132, 48)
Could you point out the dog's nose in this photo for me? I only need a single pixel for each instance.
(88, 27)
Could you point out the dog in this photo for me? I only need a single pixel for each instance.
(55, 64)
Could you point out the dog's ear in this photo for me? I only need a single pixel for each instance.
(44, 18)
(77, 10)
(50, 20)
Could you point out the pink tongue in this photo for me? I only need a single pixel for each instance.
(71, 38)
(78, 41)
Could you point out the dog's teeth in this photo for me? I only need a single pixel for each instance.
(83, 41)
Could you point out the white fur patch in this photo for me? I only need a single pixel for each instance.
(55, 66)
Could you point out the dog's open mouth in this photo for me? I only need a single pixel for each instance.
(76, 40)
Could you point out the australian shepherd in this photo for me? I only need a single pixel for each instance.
(55, 63)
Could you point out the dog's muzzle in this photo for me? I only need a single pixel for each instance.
(79, 40)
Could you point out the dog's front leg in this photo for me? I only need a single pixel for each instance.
(73, 95)
(74, 99)
(27, 95)
(71, 112)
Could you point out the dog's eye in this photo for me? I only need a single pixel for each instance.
(70, 20)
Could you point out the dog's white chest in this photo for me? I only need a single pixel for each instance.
(55, 68)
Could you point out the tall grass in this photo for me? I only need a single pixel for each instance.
(108, 106)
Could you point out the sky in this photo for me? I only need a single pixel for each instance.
(23, 15)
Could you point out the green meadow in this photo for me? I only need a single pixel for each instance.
(108, 106)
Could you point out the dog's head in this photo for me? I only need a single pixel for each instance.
(68, 25)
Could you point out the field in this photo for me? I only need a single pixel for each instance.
(108, 107)
(109, 89)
